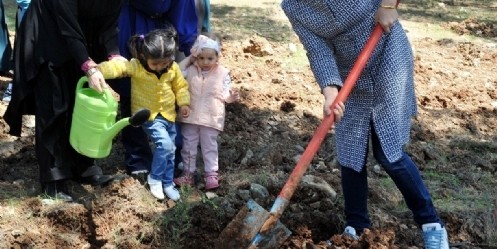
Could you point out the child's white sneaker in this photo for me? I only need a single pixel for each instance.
(155, 188)
(172, 193)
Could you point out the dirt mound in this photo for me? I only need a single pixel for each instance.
(472, 26)
(453, 141)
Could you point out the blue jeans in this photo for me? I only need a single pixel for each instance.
(162, 133)
(407, 178)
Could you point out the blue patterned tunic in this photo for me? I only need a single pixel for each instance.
(333, 33)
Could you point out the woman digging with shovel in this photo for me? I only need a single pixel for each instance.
(380, 107)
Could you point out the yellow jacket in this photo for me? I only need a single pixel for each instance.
(159, 95)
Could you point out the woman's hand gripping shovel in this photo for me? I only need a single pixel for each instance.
(254, 227)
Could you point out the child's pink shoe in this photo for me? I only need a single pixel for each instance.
(211, 180)
(186, 178)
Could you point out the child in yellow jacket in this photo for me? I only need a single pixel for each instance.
(157, 84)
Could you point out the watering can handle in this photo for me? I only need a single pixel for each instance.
(107, 93)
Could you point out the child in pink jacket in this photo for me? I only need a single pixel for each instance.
(210, 89)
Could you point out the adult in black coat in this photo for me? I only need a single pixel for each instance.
(57, 43)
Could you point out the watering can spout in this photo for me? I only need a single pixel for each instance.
(112, 131)
(137, 119)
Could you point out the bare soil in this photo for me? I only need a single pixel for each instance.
(453, 141)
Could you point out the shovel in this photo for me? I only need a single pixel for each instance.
(254, 227)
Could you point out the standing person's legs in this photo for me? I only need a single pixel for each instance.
(406, 176)
(190, 133)
(200, 10)
(206, 27)
(178, 141)
(22, 6)
(52, 175)
(5, 48)
(160, 179)
(57, 159)
(203, 9)
(209, 147)
(5, 52)
(137, 152)
(189, 151)
(408, 180)
(355, 194)
(137, 156)
(210, 154)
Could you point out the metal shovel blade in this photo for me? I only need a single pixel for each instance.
(244, 229)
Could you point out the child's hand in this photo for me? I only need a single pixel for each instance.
(234, 96)
(185, 111)
(186, 62)
(191, 59)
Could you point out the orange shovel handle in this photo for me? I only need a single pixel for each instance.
(318, 137)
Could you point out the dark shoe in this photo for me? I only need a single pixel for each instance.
(55, 190)
(119, 177)
(98, 180)
(61, 196)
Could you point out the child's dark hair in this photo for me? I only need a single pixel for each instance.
(157, 44)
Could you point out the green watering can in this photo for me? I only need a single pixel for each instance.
(94, 121)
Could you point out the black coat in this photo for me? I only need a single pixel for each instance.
(59, 34)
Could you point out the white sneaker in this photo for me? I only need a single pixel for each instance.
(435, 236)
(350, 231)
(7, 95)
(155, 188)
(137, 172)
(172, 193)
